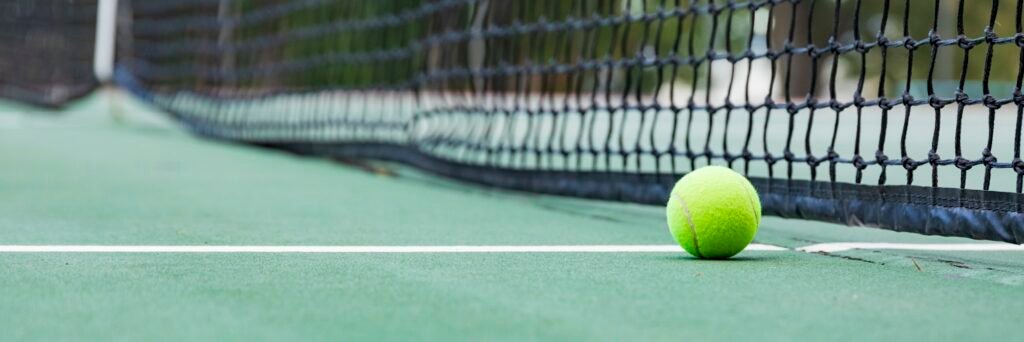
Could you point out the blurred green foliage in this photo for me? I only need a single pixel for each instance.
(474, 45)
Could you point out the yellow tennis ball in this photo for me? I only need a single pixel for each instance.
(713, 212)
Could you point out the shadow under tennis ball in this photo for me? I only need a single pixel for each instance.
(740, 258)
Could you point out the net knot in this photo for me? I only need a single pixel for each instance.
(711, 56)
(812, 161)
(792, 108)
(769, 158)
(674, 107)
(861, 47)
(962, 163)
(884, 103)
(834, 46)
(835, 105)
(1018, 166)
(909, 44)
(883, 41)
(813, 53)
(858, 100)
(907, 99)
(961, 96)
(991, 102)
(832, 156)
(788, 156)
(747, 55)
(934, 39)
(936, 102)
(964, 43)
(729, 157)
(987, 158)
(746, 155)
(881, 158)
(1018, 97)
(990, 36)
(1019, 39)
(858, 163)
(717, 9)
(909, 164)
(933, 158)
(812, 101)
(675, 60)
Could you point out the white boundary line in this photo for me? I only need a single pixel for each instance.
(358, 249)
(816, 248)
(953, 247)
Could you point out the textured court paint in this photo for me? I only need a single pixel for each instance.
(99, 183)
(770, 296)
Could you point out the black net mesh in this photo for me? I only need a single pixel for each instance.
(901, 114)
(46, 50)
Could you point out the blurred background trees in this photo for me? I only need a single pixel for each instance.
(500, 45)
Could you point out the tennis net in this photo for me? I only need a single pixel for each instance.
(904, 115)
(46, 50)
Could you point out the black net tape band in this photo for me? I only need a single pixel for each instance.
(898, 114)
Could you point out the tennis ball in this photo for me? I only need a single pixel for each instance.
(713, 212)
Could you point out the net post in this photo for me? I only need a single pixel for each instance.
(103, 56)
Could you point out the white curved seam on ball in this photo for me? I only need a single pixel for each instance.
(689, 221)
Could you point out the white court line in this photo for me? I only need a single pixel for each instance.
(823, 247)
(956, 247)
(358, 249)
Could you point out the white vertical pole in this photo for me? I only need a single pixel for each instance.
(103, 59)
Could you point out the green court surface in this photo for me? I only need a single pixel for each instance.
(78, 177)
